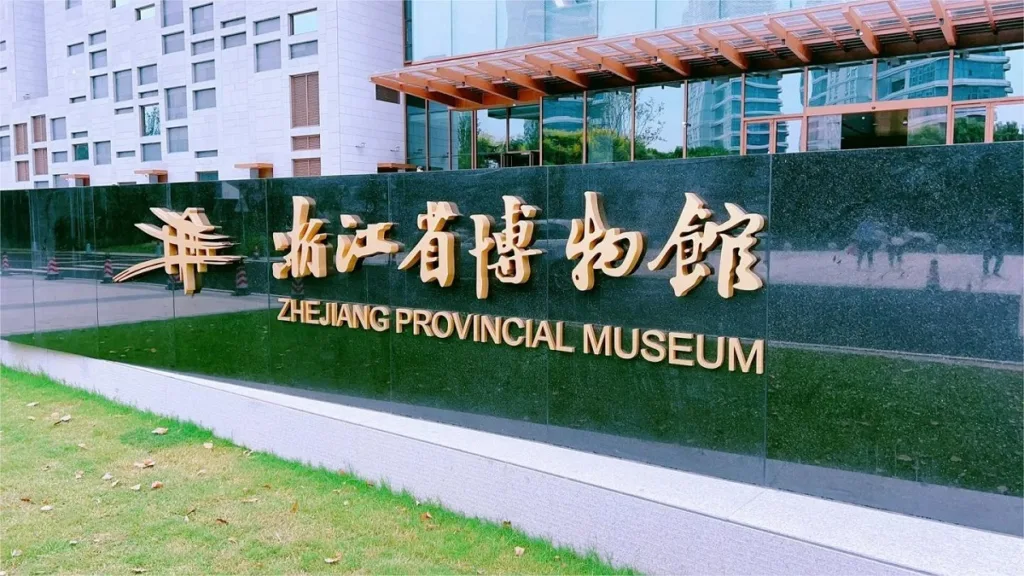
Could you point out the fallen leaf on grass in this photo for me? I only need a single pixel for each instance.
(15, 553)
(138, 570)
(268, 486)
(79, 474)
(137, 487)
(250, 500)
(233, 541)
(160, 431)
(345, 503)
(83, 446)
(506, 523)
(426, 516)
(201, 472)
(147, 463)
(520, 550)
(115, 483)
(31, 417)
(26, 499)
(221, 521)
(333, 560)
(32, 404)
(247, 453)
(107, 476)
(208, 445)
(73, 542)
(156, 485)
(65, 418)
(295, 507)
(46, 508)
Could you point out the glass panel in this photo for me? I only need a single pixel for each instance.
(624, 16)
(431, 29)
(847, 84)
(788, 134)
(438, 134)
(268, 56)
(519, 22)
(564, 19)
(916, 77)
(659, 122)
(234, 40)
(303, 49)
(824, 132)
(995, 73)
(150, 120)
(490, 137)
(524, 136)
(304, 22)
(968, 124)
(774, 93)
(172, 12)
(205, 99)
(268, 25)
(926, 126)
(1008, 122)
(713, 118)
(202, 18)
(147, 74)
(562, 138)
(609, 124)
(758, 136)
(474, 26)
(462, 140)
(416, 130)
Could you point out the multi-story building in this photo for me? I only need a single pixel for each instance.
(702, 78)
(111, 91)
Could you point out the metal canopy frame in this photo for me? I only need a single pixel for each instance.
(824, 34)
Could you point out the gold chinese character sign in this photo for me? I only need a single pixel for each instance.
(190, 244)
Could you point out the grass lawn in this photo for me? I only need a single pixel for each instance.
(220, 509)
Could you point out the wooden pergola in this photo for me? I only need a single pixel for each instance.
(858, 30)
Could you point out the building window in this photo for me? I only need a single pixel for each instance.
(122, 85)
(5, 148)
(233, 40)
(305, 97)
(97, 38)
(74, 49)
(21, 169)
(609, 125)
(913, 77)
(171, 12)
(97, 59)
(177, 139)
(302, 49)
(202, 47)
(150, 119)
(204, 99)
(151, 152)
(659, 120)
(174, 42)
(126, 154)
(77, 99)
(177, 103)
(233, 22)
(58, 129)
(147, 74)
(202, 18)
(563, 130)
(385, 94)
(268, 56)
(267, 26)
(80, 151)
(148, 94)
(306, 142)
(20, 139)
(145, 13)
(60, 181)
(100, 89)
(39, 129)
(121, 111)
(39, 161)
(208, 176)
(206, 153)
(41, 184)
(302, 167)
(82, 134)
(303, 22)
(102, 150)
(203, 71)
(59, 157)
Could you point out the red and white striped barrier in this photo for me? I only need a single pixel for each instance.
(241, 280)
(5, 266)
(52, 270)
(108, 271)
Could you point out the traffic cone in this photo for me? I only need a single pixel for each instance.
(5, 266)
(933, 276)
(297, 289)
(108, 271)
(52, 269)
(241, 280)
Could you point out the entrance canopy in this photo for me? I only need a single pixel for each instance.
(832, 33)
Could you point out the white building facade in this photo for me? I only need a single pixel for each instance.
(98, 92)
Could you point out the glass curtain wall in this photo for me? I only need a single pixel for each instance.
(462, 139)
(609, 125)
(416, 130)
(438, 143)
(659, 122)
(562, 139)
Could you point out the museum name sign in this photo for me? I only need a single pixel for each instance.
(191, 243)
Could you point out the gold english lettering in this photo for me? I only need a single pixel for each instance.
(543, 334)
(634, 346)
(594, 345)
(675, 348)
(756, 357)
(462, 325)
(380, 318)
(507, 337)
(421, 321)
(402, 318)
(719, 352)
(654, 346)
(448, 324)
(560, 339)
(286, 308)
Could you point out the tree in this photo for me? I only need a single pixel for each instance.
(1007, 132)
(926, 136)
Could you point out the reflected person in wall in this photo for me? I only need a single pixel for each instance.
(868, 238)
(993, 235)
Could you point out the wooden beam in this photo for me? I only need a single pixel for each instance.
(668, 59)
(903, 20)
(478, 83)
(419, 92)
(559, 70)
(792, 42)
(610, 64)
(435, 86)
(724, 48)
(865, 33)
(947, 27)
(522, 80)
